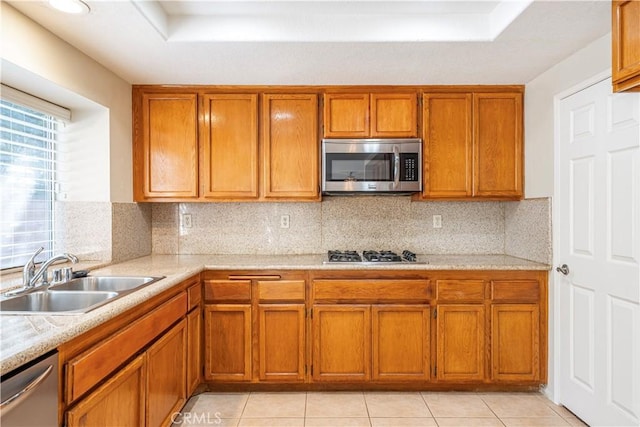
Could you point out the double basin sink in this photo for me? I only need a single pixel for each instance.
(75, 296)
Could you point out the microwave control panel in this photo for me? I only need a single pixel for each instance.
(409, 166)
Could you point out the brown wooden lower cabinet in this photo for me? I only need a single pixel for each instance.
(460, 342)
(166, 376)
(384, 328)
(515, 342)
(146, 392)
(341, 343)
(281, 342)
(118, 402)
(227, 342)
(354, 342)
(194, 349)
(132, 370)
(400, 338)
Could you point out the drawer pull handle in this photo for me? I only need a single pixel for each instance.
(249, 277)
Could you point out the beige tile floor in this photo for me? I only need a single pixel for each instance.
(333, 409)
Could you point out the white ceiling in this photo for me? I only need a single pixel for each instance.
(327, 42)
(329, 21)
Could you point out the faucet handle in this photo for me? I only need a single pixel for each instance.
(62, 275)
(31, 261)
(45, 277)
(29, 269)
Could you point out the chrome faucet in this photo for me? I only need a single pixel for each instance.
(29, 274)
(29, 269)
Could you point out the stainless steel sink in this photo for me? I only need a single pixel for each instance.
(61, 302)
(75, 296)
(105, 283)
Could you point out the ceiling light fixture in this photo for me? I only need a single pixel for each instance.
(75, 7)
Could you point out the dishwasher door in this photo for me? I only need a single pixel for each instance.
(30, 394)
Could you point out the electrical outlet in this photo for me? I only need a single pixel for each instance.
(284, 221)
(437, 221)
(185, 220)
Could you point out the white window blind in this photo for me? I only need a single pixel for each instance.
(28, 135)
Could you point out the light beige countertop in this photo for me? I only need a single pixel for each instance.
(23, 338)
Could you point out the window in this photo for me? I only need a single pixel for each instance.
(28, 135)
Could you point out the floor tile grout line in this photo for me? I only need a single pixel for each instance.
(427, 405)
(566, 417)
(491, 409)
(246, 402)
(364, 398)
(306, 405)
(551, 404)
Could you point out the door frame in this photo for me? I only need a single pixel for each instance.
(553, 391)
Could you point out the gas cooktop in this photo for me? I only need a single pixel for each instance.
(372, 257)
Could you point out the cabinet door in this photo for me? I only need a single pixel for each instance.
(394, 115)
(625, 16)
(281, 342)
(166, 376)
(194, 349)
(227, 349)
(447, 135)
(498, 145)
(515, 342)
(460, 342)
(346, 115)
(341, 343)
(290, 147)
(229, 140)
(166, 147)
(118, 402)
(401, 336)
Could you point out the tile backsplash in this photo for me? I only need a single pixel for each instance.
(103, 231)
(528, 230)
(357, 223)
(114, 232)
(130, 231)
(83, 229)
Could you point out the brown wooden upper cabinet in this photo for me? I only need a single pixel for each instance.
(229, 140)
(206, 146)
(370, 115)
(165, 146)
(472, 145)
(290, 146)
(448, 145)
(625, 37)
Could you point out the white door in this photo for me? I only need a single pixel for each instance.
(598, 197)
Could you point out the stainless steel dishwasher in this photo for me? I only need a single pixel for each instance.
(30, 394)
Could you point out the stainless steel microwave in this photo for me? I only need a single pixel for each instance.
(386, 166)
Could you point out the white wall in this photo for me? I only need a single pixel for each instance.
(538, 107)
(36, 61)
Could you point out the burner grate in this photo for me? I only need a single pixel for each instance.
(371, 257)
(344, 256)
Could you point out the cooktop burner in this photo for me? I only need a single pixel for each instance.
(344, 256)
(372, 257)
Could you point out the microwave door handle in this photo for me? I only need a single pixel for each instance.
(396, 167)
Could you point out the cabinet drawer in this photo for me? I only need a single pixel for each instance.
(87, 369)
(371, 290)
(126, 391)
(520, 290)
(282, 290)
(227, 290)
(460, 290)
(194, 296)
